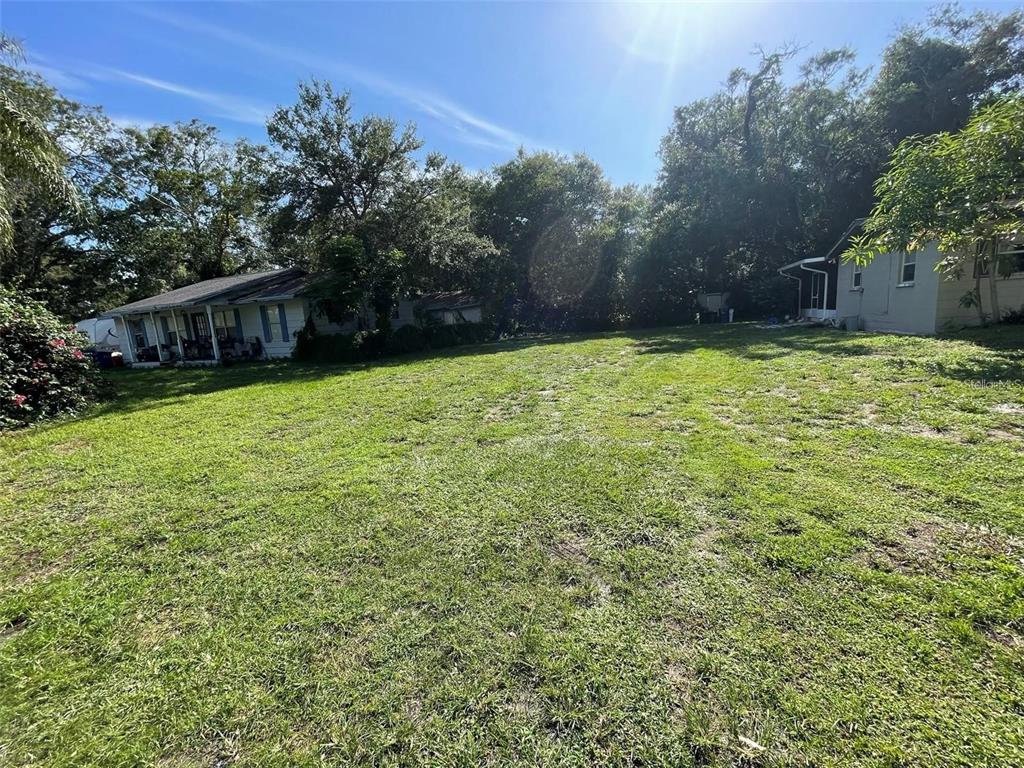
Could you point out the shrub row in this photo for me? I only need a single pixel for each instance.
(371, 345)
(43, 371)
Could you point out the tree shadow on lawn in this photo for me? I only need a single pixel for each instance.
(135, 390)
(999, 354)
(131, 390)
(745, 340)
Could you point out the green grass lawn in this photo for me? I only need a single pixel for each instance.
(625, 549)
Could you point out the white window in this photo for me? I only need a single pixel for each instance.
(274, 324)
(139, 335)
(858, 276)
(200, 325)
(224, 323)
(1011, 259)
(908, 268)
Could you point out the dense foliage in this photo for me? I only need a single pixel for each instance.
(962, 190)
(43, 371)
(769, 169)
(363, 346)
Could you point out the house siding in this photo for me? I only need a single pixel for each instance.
(951, 315)
(882, 304)
(252, 324)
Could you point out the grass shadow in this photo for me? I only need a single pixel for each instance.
(739, 339)
(1000, 358)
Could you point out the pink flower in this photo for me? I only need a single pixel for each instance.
(19, 399)
(78, 354)
(58, 343)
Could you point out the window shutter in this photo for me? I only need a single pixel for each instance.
(145, 333)
(284, 323)
(166, 328)
(238, 324)
(266, 324)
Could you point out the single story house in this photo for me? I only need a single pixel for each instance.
(901, 292)
(817, 279)
(253, 316)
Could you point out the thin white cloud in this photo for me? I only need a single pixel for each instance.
(55, 76)
(465, 125)
(220, 104)
(130, 121)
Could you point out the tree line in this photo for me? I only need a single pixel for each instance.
(770, 168)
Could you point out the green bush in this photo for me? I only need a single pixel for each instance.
(370, 345)
(1014, 316)
(328, 348)
(441, 336)
(474, 333)
(408, 338)
(43, 371)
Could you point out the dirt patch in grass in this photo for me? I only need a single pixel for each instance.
(1005, 636)
(931, 547)
(1006, 435)
(507, 409)
(14, 625)
(36, 568)
(1009, 408)
(573, 549)
(705, 546)
(68, 447)
(924, 430)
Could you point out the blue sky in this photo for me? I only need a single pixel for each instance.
(478, 80)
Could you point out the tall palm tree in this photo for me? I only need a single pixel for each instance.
(28, 153)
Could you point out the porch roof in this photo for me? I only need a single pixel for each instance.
(801, 262)
(278, 283)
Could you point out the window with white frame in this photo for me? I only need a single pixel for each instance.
(224, 323)
(1011, 259)
(858, 276)
(908, 268)
(139, 335)
(274, 324)
(200, 326)
(170, 332)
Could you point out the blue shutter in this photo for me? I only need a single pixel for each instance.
(167, 329)
(238, 324)
(284, 323)
(266, 324)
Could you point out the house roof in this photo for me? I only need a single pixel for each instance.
(836, 251)
(223, 290)
(448, 300)
(800, 262)
(285, 287)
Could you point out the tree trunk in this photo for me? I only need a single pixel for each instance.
(993, 276)
(978, 257)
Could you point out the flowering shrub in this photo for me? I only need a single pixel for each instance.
(43, 372)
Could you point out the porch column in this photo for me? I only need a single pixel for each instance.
(213, 333)
(156, 335)
(177, 335)
(129, 346)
